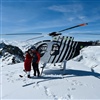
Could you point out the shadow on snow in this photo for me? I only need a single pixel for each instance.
(72, 72)
(54, 74)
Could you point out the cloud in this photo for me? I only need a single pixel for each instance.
(71, 19)
(78, 12)
(67, 8)
(82, 17)
(71, 12)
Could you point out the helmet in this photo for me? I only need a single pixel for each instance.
(33, 48)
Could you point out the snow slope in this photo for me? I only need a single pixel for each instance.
(81, 80)
(90, 56)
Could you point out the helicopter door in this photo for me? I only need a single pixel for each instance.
(42, 49)
(54, 50)
(46, 52)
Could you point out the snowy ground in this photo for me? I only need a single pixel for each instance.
(81, 81)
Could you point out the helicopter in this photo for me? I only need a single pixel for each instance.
(60, 49)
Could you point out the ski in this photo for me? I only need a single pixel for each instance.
(32, 77)
(28, 84)
(37, 82)
(24, 74)
(21, 76)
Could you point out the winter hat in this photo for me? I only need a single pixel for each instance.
(33, 48)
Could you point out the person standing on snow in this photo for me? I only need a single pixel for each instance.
(13, 60)
(27, 62)
(35, 62)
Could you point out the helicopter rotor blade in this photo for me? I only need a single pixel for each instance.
(73, 27)
(86, 33)
(23, 34)
(35, 38)
(59, 32)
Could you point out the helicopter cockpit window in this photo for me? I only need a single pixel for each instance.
(55, 49)
(42, 49)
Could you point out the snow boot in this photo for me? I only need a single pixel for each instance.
(28, 76)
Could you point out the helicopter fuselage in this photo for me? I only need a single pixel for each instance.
(59, 49)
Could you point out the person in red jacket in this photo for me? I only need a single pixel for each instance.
(27, 62)
(35, 62)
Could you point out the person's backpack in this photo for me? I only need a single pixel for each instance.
(35, 57)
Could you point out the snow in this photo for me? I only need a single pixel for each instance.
(81, 80)
(90, 57)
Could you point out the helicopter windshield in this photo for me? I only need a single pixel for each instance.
(55, 49)
(42, 49)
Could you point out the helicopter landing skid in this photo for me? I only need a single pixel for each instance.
(44, 65)
(64, 63)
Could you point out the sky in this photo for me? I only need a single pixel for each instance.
(45, 16)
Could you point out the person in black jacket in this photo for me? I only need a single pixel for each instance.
(35, 62)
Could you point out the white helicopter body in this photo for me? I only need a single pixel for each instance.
(61, 48)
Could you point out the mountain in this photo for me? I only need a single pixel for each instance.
(7, 52)
(23, 45)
